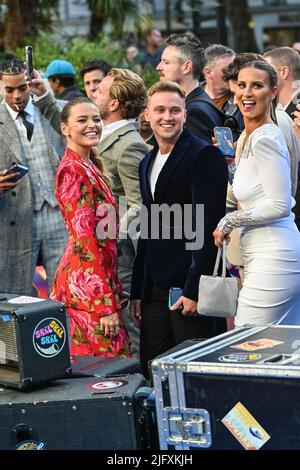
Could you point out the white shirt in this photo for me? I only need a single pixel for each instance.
(30, 110)
(110, 128)
(156, 168)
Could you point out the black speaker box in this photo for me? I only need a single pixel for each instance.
(34, 345)
(74, 414)
(100, 366)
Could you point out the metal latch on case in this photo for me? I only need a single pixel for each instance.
(189, 427)
(283, 359)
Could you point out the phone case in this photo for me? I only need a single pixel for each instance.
(225, 140)
(23, 170)
(124, 303)
(174, 294)
(29, 61)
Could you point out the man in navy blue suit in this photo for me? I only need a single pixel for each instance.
(183, 185)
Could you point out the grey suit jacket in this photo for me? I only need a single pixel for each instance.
(16, 206)
(121, 153)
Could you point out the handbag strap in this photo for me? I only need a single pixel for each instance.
(217, 263)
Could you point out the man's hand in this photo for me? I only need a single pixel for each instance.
(189, 306)
(136, 312)
(36, 84)
(5, 184)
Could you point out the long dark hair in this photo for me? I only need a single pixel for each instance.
(94, 154)
(272, 76)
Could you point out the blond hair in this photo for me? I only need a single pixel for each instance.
(129, 89)
(165, 86)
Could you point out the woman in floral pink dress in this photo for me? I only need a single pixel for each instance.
(86, 280)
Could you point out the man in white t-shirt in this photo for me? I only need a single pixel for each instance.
(182, 173)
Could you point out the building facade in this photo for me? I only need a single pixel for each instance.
(275, 22)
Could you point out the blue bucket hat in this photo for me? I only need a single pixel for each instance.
(59, 67)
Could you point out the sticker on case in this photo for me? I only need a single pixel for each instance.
(49, 337)
(244, 427)
(106, 386)
(263, 343)
(25, 299)
(31, 445)
(239, 357)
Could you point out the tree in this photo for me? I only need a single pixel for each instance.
(24, 19)
(195, 9)
(114, 11)
(239, 16)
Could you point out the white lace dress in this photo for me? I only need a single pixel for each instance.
(270, 241)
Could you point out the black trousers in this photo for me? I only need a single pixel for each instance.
(162, 329)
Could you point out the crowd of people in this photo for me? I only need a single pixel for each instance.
(103, 168)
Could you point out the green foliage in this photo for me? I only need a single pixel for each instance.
(150, 76)
(118, 12)
(78, 51)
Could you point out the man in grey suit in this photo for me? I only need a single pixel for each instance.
(120, 98)
(31, 222)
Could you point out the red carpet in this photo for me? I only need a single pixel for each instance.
(40, 283)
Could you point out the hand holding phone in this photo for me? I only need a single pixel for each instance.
(16, 168)
(224, 139)
(5, 182)
(29, 61)
(174, 294)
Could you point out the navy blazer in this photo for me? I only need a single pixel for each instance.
(194, 173)
(202, 118)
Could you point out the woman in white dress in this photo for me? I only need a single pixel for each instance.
(270, 241)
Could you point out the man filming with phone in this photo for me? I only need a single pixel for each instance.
(5, 181)
(31, 223)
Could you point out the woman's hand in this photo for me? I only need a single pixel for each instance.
(110, 324)
(219, 236)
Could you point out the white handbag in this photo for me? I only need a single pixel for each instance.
(218, 294)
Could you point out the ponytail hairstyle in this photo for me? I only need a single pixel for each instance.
(273, 80)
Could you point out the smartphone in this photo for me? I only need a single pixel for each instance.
(124, 302)
(16, 168)
(29, 61)
(224, 139)
(174, 294)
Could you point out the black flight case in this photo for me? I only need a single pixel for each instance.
(90, 413)
(239, 390)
